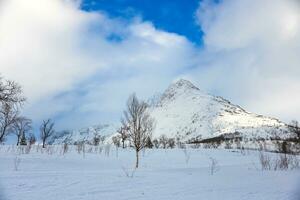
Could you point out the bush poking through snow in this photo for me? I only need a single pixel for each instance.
(107, 150)
(282, 162)
(265, 161)
(213, 166)
(187, 155)
(17, 162)
(129, 172)
(65, 148)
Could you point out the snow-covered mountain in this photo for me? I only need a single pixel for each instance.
(189, 113)
(186, 112)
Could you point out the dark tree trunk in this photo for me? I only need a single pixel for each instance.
(44, 143)
(137, 159)
(18, 142)
(2, 134)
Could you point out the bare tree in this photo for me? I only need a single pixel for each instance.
(123, 135)
(10, 92)
(139, 124)
(47, 130)
(31, 138)
(10, 101)
(8, 115)
(21, 126)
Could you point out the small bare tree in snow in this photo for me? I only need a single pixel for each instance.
(46, 130)
(31, 139)
(139, 124)
(21, 126)
(123, 135)
(17, 162)
(187, 155)
(213, 166)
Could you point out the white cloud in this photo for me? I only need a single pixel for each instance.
(81, 66)
(251, 54)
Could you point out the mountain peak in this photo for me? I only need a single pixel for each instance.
(181, 86)
(183, 83)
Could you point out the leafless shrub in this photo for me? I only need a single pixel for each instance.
(79, 147)
(17, 162)
(294, 162)
(129, 172)
(243, 152)
(265, 161)
(90, 149)
(228, 144)
(31, 139)
(117, 151)
(213, 166)
(107, 150)
(281, 162)
(49, 150)
(187, 155)
(65, 148)
(28, 148)
(100, 149)
(196, 146)
(208, 145)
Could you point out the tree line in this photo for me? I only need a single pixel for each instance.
(12, 101)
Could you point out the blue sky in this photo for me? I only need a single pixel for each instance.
(176, 16)
(79, 62)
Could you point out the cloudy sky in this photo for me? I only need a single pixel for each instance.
(79, 60)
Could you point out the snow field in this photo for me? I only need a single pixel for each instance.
(163, 174)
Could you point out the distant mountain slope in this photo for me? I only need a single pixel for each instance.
(187, 112)
(84, 134)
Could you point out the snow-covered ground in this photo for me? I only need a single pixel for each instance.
(163, 174)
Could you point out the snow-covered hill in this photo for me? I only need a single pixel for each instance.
(187, 112)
